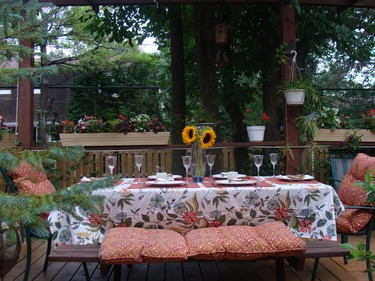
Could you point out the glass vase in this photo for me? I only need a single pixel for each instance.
(198, 167)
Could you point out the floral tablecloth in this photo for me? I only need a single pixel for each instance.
(308, 208)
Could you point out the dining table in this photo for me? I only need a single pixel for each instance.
(306, 206)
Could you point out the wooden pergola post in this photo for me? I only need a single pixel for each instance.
(291, 131)
(25, 104)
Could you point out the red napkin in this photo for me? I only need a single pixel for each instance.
(283, 181)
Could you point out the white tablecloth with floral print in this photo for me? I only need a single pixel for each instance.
(308, 208)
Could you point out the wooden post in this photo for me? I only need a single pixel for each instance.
(25, 114)
(291, 131)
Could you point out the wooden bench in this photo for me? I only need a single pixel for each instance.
(315, 249)
(76, 253)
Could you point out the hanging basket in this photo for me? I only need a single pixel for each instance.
(295, 96)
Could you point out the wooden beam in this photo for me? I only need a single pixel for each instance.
(338, 3)
(25, 112)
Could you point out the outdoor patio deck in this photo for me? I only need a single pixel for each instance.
(330, 269)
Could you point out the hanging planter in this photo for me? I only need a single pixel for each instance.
(295, 96)
(256, 133)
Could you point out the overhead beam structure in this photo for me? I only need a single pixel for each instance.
(338, 3)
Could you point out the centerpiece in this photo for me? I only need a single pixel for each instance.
(136, 131)
(200, 137)
(256, 120)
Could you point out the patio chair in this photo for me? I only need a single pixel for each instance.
(358, 218)
(340, 165)
(28, 231)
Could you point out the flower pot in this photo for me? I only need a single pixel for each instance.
(114, 139)
(256, 133)
(339, 135)
(295, 96)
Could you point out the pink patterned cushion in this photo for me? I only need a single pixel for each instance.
(164, 245)
(352, 220)
(31, 180)
(122, 245)
(349, 192)
(135, 245)
(244, 242)
(205, 244)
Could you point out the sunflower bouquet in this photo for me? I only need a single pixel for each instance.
(200, 138)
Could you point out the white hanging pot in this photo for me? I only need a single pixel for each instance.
(255, 133)
(295, 96)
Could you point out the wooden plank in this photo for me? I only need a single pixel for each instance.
(138, 272)
(192, 271)
(156, 272)
(210, 270)
(173, 272)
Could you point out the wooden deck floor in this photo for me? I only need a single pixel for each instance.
(329, 270)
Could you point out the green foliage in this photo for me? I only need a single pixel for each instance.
(359, 253)
(29, 208)
(23, 20)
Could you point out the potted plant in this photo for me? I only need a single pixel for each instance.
(123, 131)
(255, 120)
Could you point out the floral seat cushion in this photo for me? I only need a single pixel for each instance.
(351, 194)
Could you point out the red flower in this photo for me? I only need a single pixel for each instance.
(305, 225)
(266, 117)
(215, 224)
(190, 217)
(95, 220)
(281, 213)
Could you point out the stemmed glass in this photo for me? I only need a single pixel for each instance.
(210, 162)
(258, 160)
(111, 163)
(139, 163)
(186, 161)
(273, 158)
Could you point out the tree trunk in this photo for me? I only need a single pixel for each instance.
(272, 100)
(204, 34)
(178, 82)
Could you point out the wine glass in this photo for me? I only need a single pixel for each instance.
(258, 160)
(210, 162)
(273, 158)
(186, 161)
(139, 163)
(111, 163)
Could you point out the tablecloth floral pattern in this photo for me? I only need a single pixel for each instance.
(309, 209)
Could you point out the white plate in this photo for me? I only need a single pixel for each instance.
(236, 182)
(291, 178)
(164, 183)
(224, 176)
(153, 177)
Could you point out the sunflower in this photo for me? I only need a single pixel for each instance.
(207, 138)
(189, 135)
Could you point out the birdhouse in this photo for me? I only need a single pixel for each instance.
(221, 36)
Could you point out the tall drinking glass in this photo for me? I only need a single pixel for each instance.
(186, 161)
(210, 162)
(258, 161)
(273, 158)
(111, 163)
(139, 163)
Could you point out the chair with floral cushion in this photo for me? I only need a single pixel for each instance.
(359, 216)
(26, 175)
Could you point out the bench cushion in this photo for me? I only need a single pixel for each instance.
(243, 242)
(135, 245)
